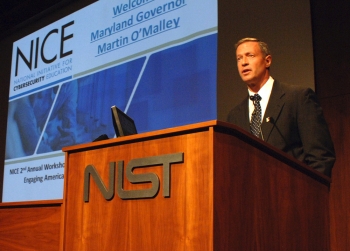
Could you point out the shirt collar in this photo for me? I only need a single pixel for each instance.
(265, 90)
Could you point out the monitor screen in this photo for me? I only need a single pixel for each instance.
(123, 124)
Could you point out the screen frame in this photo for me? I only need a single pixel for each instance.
(123, 124)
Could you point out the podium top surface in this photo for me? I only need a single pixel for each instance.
(217, 126)
(202, 126)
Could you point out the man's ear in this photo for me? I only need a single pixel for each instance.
(268, 61)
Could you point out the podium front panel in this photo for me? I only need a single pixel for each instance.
(209, 186)
(182, 221)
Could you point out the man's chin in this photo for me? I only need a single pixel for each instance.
(248, 80)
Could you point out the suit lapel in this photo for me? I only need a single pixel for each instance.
(273, 109)
(245, 115)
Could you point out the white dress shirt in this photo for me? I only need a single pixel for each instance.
(264, 93)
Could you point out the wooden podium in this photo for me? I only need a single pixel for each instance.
(207, 186)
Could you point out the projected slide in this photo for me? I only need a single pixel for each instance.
(156, 60)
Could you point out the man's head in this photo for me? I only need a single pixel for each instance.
(253, 62)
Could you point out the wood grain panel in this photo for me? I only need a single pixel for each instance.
(337, 112)
(143, 224)
(267, 205)
(230, 193)
(26, 227)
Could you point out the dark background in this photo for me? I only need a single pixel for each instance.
(331, 50)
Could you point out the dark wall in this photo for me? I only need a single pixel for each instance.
(284, 25)
(331, 44)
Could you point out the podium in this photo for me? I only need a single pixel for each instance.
(207, 186)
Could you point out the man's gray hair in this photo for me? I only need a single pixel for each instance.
(263, 46)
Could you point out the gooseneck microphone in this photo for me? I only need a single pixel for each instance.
(261, 133)
(270, 120)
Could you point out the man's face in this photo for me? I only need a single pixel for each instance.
(252, 65)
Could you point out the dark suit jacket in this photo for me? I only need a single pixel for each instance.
(296, 125)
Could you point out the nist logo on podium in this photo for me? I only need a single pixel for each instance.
(164, 160)
(54, 38)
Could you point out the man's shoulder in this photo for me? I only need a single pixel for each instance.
(294, 94)
(241, 106)
(291, 91)
(287, 87)
(238, 111)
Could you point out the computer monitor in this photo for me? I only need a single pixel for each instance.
(123, 124)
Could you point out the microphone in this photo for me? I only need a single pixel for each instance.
(261, 133)
(270, 120)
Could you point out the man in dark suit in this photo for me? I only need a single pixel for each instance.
(285, 116)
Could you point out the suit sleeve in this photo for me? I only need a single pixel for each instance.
(314, 133)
